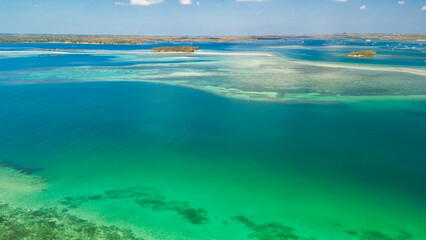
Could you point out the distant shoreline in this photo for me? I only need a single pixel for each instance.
(124, 40)
(140, 40)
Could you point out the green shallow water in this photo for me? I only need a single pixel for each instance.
(176, 163)
(264, 140)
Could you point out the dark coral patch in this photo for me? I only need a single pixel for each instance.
(193, 215)
(267, 231)
(16, 167)
(376, 235)
(146, 198)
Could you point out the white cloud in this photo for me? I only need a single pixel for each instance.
(185, 2)
(340, 0)
(250, 0)
(219, 5)
(145, 2)
(198, 3)
(401, 2)
(121, 3)
(140, 2)
(363, 7)
(424, 8)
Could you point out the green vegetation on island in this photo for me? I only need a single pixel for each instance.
(175, 49)
(362, 54)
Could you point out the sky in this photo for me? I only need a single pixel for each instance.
(212, 17)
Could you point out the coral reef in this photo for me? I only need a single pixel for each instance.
(267, 231)
(19, 169)
(145, 198)
(47, 224)
(376, 235)
(20, 181)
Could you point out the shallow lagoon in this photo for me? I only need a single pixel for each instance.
(325, 152)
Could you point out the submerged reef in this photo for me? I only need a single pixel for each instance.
(49, 223)
(376, 235)
(267, 231)
(183, 209)
(17, 180)
(277, 231)
(45, 223)
(18, 168)
(145, 198)
(59, 223)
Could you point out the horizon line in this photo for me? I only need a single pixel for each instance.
(176, 35)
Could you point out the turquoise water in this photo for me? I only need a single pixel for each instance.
(264, 140)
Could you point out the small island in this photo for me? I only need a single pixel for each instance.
(362, 54)
(175, 49)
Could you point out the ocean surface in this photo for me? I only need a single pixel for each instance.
(265, 140)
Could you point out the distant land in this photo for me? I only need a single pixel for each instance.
(121, 39)
(134, 40)
(380, 36)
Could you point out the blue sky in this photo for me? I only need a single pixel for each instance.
(212, 17)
